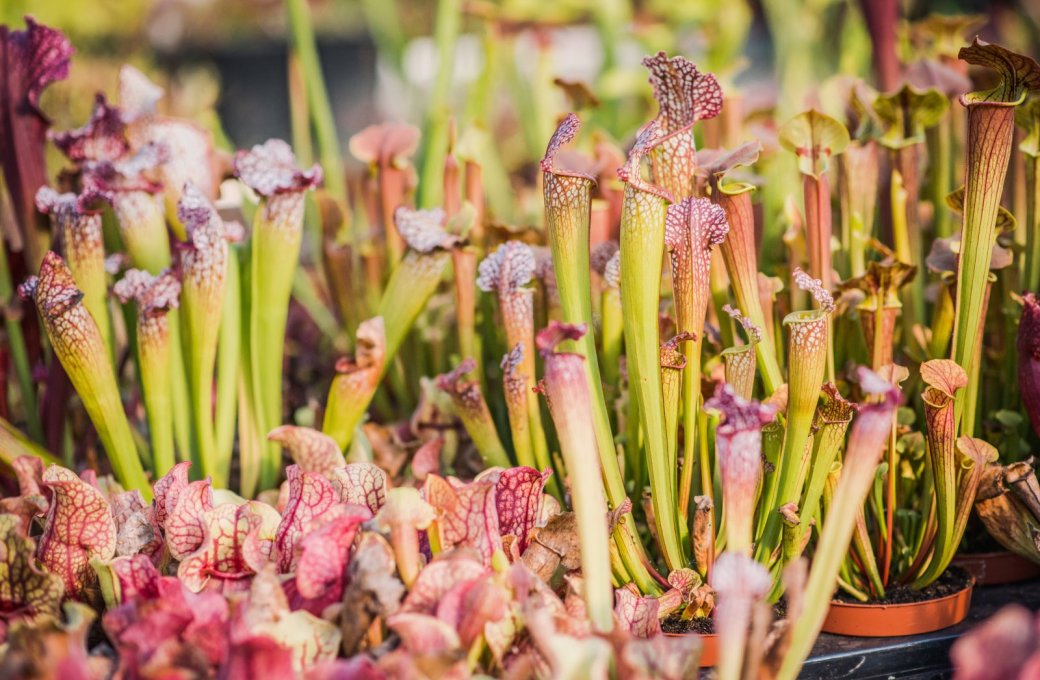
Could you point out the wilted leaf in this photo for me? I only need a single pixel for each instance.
(53, 649)
(374, 592)
(136, 530)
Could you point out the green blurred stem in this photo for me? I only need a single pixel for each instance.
(229, 344)
(1032, 224)
(446, 33)
(939, 142)
(322, 117)
(13, 443)
(179, 391)
(568, 216)
(153, 358)
(990, 136)
(19, 354)
(384, 24)
(642, 250)
(274, 251)
(808, 362)
(612, 335)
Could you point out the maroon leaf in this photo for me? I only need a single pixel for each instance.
(237, 539)
(637, 615)
(467, 515)
(169, 631)
(29, 61)
(310, 496)
(1029, 358)
(325, 551)
(31, 501)
(79, 528)
(185, 522)
(136, 576)
(102, 138)
(258, 656)
(472, 606)
(518, 500)
(167, 489)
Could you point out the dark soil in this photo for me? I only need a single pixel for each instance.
(953, 580)
(706, 626)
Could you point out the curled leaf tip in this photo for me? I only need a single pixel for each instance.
(452, 381)
(311, 450)
(979, 451)
(512, 359)
(54, 290)
(270, 168)
(511, 266)
(676, 340)
(153, 294)
(101, 138)
(423, 230)
(196, 211)
(42, 53)
(1018, 72)
(648, 137)
(565, 132)
(718, 162)
(739, 413)
(684, 94)
(945, 375)
(815, 288)
(754, 333)
(555, 333)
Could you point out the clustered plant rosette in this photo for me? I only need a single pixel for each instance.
(457, 574)
(662, 488)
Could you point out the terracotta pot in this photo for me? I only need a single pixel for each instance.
(998, 568)
(709, 648)
(894, 620)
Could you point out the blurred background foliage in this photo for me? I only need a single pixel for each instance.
(517, 64)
